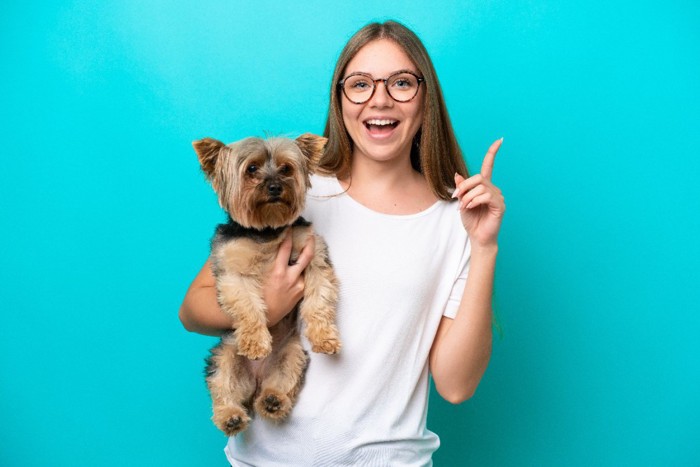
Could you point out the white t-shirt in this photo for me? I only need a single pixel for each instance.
(367, 405)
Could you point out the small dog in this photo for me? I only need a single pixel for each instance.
(262, 184)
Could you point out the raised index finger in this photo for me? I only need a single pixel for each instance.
(489, 158)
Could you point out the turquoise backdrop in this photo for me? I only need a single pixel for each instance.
(106, 217)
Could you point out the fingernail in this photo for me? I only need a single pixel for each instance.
(454, 193)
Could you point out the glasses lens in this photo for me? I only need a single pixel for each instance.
(358, 88)
(402, 87)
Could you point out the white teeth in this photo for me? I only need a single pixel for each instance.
(380, 122)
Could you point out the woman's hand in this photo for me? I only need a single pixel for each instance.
(481, 203)
(284, 286)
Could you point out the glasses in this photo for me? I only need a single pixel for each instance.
(401, 86)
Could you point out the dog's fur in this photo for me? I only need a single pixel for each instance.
(262, 184)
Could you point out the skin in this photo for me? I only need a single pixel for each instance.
(381, 178)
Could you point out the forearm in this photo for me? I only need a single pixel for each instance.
(200, 312)
(462, 348)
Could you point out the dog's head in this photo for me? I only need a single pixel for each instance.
(261, 182)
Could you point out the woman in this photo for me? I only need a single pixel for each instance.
(414, 245)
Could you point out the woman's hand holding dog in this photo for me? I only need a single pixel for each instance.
(200, 311)
(285, 283)
(481, 203)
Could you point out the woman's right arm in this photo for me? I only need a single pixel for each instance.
(284, 287)
(200, 311)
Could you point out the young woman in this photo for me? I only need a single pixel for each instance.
(414, 244)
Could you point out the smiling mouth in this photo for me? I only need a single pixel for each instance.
(380, 126)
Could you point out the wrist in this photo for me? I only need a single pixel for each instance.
(485, 249)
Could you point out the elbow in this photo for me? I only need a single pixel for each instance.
(185, 319)
(458, 396)
(456, 391)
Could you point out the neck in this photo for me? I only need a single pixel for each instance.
(390, 187)
(381, 175)
(233, 229)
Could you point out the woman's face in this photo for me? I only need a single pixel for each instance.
(381, 128)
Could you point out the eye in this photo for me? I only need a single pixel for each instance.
(403, 82)
(251, 169)
(285, 169)
(358, 83)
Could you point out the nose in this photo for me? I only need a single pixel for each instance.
(274, 189)
(381, 97)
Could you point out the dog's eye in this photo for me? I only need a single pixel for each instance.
(285, 169)
(252, 168)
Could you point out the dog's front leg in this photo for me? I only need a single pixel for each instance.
(318, 307)
(240, 298)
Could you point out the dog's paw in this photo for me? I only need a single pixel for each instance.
(330, 347)
(324, 340)
(273, 405)
(255, 345)
(231, 420)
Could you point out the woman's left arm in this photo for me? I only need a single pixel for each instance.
(462, 346)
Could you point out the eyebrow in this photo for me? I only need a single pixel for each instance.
(403, 70)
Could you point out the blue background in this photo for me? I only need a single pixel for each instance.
(106, 217)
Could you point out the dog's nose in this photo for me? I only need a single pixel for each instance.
(274, 189)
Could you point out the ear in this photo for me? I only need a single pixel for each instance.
(312, 147)
(208, 150)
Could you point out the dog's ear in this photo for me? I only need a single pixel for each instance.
(312, 147)
(208, 150)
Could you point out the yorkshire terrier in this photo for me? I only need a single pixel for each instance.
(262, 184)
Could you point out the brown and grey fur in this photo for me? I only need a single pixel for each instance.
(262, 184)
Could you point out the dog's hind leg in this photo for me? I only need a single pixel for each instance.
(231, 385)
(282, 380)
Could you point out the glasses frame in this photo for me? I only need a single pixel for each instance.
(341, 84)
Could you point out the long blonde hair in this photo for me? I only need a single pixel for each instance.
(435, 152)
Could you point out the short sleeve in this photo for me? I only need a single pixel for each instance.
(457, 291)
